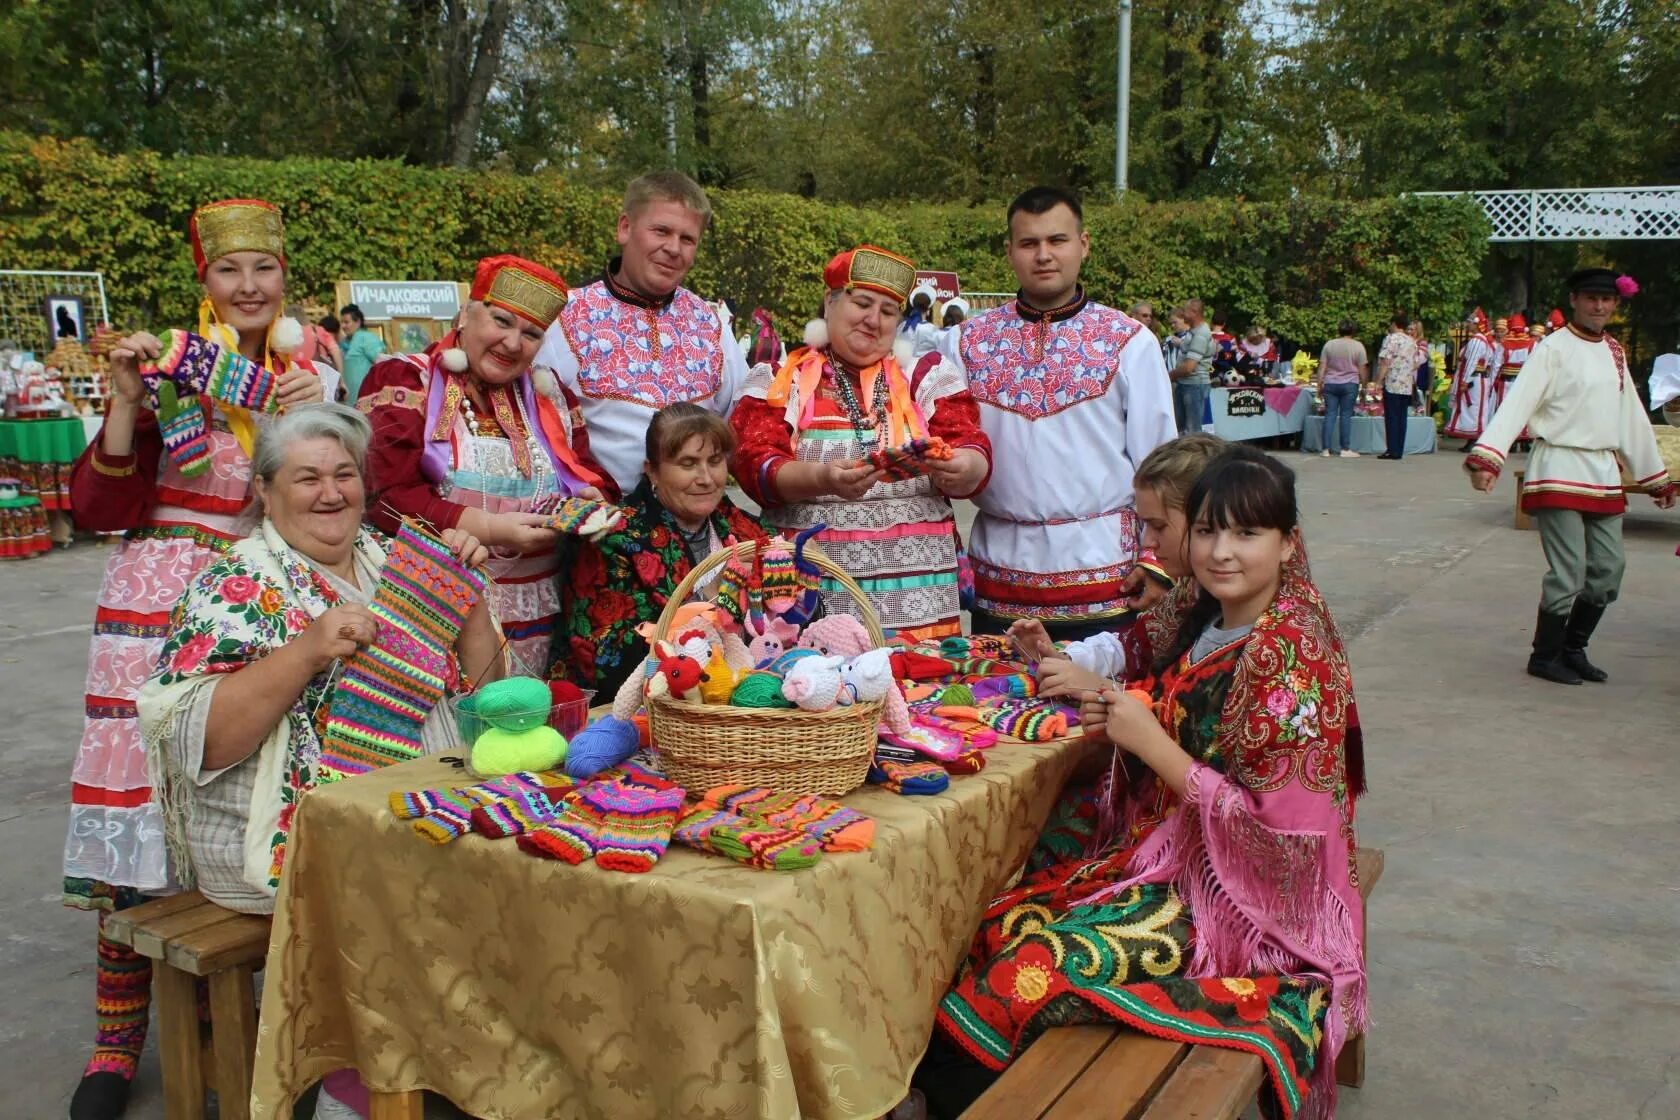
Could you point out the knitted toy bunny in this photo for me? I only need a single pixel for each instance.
(813, 684)
(770, 636)
(869, 677)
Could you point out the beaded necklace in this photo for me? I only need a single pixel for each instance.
(868, 428)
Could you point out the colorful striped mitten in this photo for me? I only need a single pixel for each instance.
(707, 828)
(836, 827)
(518, 812)
(909, 778)
(1034, 721)
(185, 431)
(625, 827)
(440, 815)
(585, 517)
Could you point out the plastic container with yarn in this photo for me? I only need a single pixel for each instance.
(566, 715)
(784, 749)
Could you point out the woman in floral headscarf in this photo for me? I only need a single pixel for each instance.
(1217, 902)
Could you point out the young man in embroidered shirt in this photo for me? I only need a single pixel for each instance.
(1072, 395)
(1577, 399)
(636, 340)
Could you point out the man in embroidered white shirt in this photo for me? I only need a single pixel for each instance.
(1577, 399)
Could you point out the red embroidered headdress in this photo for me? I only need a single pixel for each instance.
(523, 287)
(872, 268)
(235, 225)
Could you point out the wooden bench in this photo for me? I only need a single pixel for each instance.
(1119, 1074)
(189, 937)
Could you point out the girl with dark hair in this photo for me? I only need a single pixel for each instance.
(1216, 900)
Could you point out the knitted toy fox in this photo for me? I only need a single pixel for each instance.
(677, 675)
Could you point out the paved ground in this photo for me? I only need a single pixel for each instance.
(1531, 895)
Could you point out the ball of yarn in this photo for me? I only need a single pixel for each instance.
(785, 663)
(500, 752)
(513, 704)
(957, 696)
(760, 690)
(601, 746)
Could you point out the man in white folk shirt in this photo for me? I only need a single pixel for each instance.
(1577, 398)
(636, 340)
(1072, 395)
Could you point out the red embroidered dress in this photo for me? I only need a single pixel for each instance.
(899, 540)
(625, 357)
(427, 461)
(1072, 400)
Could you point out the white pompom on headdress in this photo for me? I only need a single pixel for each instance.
(904, 349)
(545, 383)
(286, 335)
(454, 360)
(816, 334)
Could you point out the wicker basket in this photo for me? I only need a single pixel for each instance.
(787, 750)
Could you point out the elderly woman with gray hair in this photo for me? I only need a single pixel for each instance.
(233, 712)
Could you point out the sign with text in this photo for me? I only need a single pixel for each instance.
(945, 284)
(382, 300)
(1245, 402)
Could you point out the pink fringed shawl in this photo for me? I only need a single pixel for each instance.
(1264, 853)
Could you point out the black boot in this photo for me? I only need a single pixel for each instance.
(100, 1096)
(1583, 620)
(1546, 662)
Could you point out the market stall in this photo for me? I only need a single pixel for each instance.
(1369, 437)
(1260, 413)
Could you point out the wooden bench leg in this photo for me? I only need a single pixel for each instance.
(179, 1045)
(233, 1026)
(406, 1105)
(1350, 1063)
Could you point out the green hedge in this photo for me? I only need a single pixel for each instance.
(1298, 266)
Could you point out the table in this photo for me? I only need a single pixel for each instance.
(1369, 436)
(1298, 402)
(40, 453)
(520, 987)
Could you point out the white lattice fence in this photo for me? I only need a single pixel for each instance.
(23, 304)
(1595, 214)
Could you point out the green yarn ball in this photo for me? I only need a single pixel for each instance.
(759, 689)
(514, 704)
(957, 696)
(499, 752)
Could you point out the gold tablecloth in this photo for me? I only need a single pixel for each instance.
(522, 988)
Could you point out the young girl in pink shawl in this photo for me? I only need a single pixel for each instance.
(1218, 902)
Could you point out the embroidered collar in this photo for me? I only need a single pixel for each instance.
(1055, 314)
(625, 295)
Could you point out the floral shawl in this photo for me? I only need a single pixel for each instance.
(623, 580)
(252, 601)
(1264, 852)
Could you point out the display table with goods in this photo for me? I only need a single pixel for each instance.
(1260, 412)
(1370, 436)
(37, 454)
(741, 890)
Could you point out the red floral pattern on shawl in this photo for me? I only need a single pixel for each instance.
(1264, 853)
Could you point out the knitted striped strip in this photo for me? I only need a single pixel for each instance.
(909, 778)
(388, 688)
(707, 828)
(833, 825)
(1033, 721)
(633, 824)
(586, 517)
(517, 813)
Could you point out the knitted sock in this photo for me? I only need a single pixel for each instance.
(122, 1002)
(585, 517)
(196, 364)
(909, 778)
(569, 838)
(1035, 721)
(517, 813)
(186, 436)
(836, 827)
(969, 762)
(631, 823)
(707, 828)
(389, 687)
(440, 815)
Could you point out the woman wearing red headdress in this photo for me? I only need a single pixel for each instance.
(472, 436)
(805, 432)
(180, 507)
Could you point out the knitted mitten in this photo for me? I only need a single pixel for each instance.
(585, 517)
(707, 828)
(185, 432)
(909, 778)
(440, 815)
(518, 812)
(569, 837)
(1031, 721)
(836, 827)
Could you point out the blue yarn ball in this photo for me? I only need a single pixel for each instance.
(601, 746)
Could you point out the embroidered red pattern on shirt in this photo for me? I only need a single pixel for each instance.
(1080, 358)
(622, 357)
